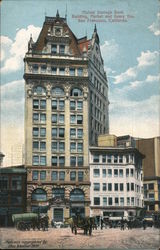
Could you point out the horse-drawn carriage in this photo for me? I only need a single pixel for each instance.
(27, 221)
(87, 224)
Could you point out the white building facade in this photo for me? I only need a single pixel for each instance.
(116, 182)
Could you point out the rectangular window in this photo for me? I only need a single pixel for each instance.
(61, 146)
(120, 172)
(95, 158)
(54, 132)
(73, 175)
(54, 176)
(34, 175)
(115, 172)
(35, 145)
(35, 160)
(61, 161)
(96, 201)
(80, 147)
(115, 186)
(127, 158)
(61, 175)
(109, 186)
(96, 186)
(36, 104)
(42, 118)
(104, 201)
(80, 176)
(120, 158)
(131, 172)
(151, 186)
(42, 146)
(103, 173)
(115, 158)
(35, 132)
(61, 132)
(72, 132)
(80, 71)
(53, 70)
(116, 200)
(72, 146)
(104, 186)
(61, 119)
(127, 172)
(17, 182)
(62, 71)
(73, 161)
(121, 187)
(62, 49)
(54, 118)
(109, 158)
(132, 201)
(109, 172)
(43, 68)
(79, 105)
(42, 132)
(42, 160)
(72, 105)
(42, 175)
(61, 104)
(132, 186)
(80, 160)
(54, 160)
(35, 68)
(121, 201)
(96, 173)
(54, 146)
(128, 187)
(80, 133)
(72, 72)
(72, 119)
(35, 117)
(79, 119)
(53, 48)
(110, 201)
(128, 201)
(104, 158)
(54, 104)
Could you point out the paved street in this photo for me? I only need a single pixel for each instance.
(58, 238)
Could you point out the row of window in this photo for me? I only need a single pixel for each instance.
(110, 201)
(11, 199)
(58, 146)
(57, 118)
(57, 176)
(16, 183)
(113, 158)
(117, 187)
(57, 91)
(114, 172)
(57, 160)
(57, 104)
(56, 70)
(58, 132)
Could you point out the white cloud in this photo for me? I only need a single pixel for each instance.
(152, 78)
(127, 75)
(5, 43)
(109, 50)
(154, 27)
(147, 58)
(18, 48)
(136, 118)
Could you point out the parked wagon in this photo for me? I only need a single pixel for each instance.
(27, 221)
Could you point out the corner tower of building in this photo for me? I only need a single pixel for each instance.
(66, 107)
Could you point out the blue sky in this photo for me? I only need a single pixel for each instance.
(130, 51)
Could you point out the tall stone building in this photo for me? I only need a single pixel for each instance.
(66, 108)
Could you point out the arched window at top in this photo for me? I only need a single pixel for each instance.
(77, 195)
(57, 91)
(39, 90)
(76, 92)
(39, 194)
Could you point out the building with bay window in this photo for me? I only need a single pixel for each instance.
(66, 108)
(116, 179)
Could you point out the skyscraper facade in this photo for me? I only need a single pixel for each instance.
(66, 108)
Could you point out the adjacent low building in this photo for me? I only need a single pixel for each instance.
(116, 179)
(12, 193)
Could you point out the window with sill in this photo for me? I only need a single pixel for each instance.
(17, 182)
(115, 172)
(34, 175)
(62, 49)
(96, 172)
(104, 186)
(73, 161)
(96, 186)
(61, 175)
(72, 72)
(103, 173)
(53, 70)
(110, 201)
(62, 71)
(96, 201)
(116, 187)
(80, 71)
(72, 175)
(109, 186)
(80, 176)
(54, 176)
(121, 187)
(53, 48)
(109, 172)
(120, 172)
(116, 201)
(42, 175)
(43, 68)
(104, 201)
(96, 158)
(35, 68)
(80, 160)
